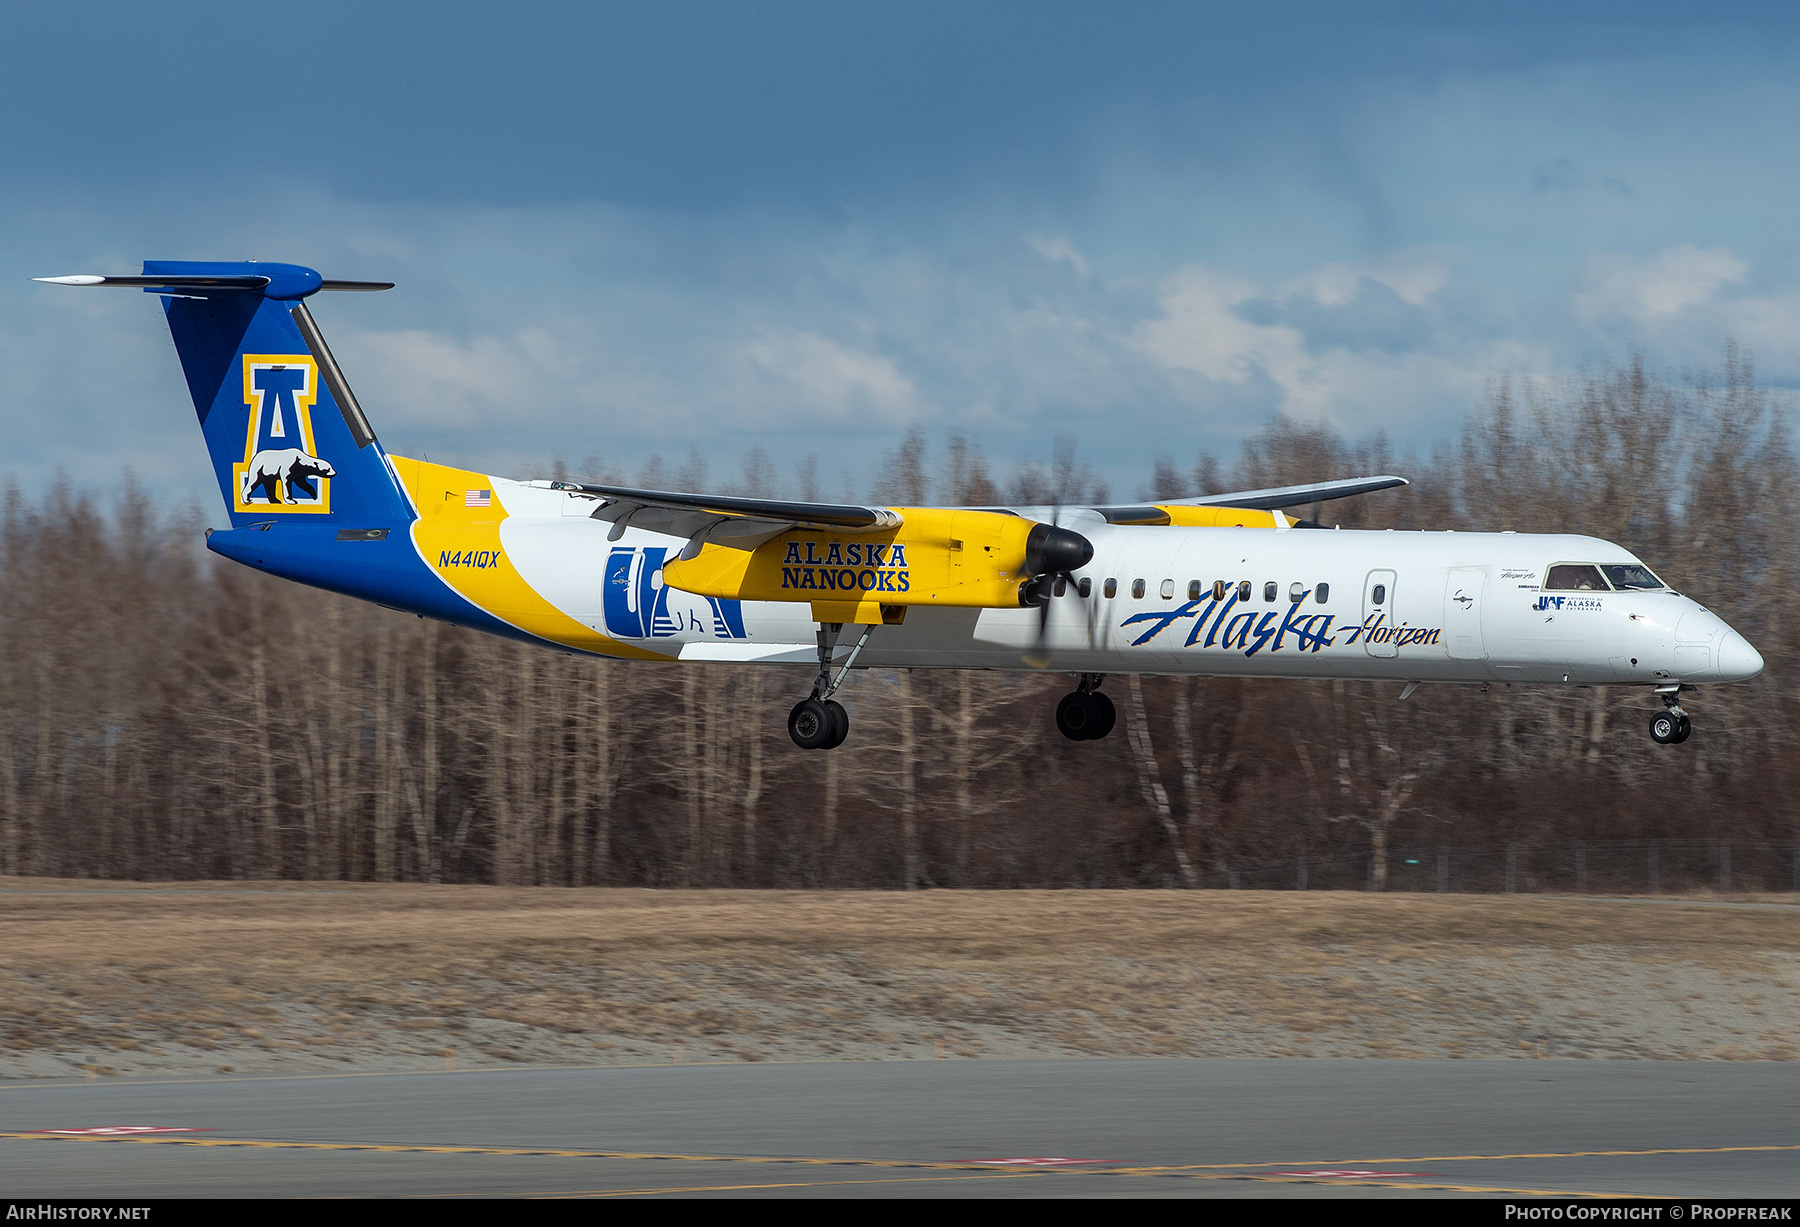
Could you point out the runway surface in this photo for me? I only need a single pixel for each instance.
(1095, 1128)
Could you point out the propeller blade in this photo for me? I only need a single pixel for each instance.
(1040, 591)
(1039, 655)
(1052, 555)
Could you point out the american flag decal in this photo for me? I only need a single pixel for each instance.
(478, 498)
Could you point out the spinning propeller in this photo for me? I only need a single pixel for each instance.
(1052, 554)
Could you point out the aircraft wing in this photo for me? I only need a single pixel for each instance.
(745, 523)
(741, 523)
(1276, 497)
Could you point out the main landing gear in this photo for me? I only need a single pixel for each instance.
(1673, 726)
(820, 722)
(1084, 713)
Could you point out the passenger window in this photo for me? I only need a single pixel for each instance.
(1137, 589)
(1112, 588)
(1296, 592)
(1575, 577)
(1379, 596)
(1323, 592)
(1193, 590)
(1059, 587)
(1085, 587)
(1243, 590)
(1168, 589)
(1219, 587)
(1269, 590)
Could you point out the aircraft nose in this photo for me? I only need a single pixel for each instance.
(1738, 661)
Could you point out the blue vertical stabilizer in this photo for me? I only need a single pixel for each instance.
(285, 433)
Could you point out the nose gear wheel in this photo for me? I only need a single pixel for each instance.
(1671, 727)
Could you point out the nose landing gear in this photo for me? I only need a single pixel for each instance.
(1084, 713)
(1672, 726)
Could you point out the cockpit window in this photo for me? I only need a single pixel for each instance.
(1575, 577)
(1632, 575)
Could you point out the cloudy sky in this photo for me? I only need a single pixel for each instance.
(622, 230)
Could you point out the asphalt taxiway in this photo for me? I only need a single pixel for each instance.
(1067, 1128)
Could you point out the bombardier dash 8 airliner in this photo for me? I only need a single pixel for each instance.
(1226, 585)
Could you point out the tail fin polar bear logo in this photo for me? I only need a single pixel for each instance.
(281, 467)
(283, 475)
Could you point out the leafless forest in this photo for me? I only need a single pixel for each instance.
(167, 715)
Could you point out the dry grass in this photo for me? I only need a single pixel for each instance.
(166, 977)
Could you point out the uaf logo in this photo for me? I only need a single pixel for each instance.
(639, 605)
(281, 466)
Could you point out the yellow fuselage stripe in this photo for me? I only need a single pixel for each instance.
(448, 528)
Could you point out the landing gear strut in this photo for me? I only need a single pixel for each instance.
(1084, 713)
(1672, 726)
(820, 722)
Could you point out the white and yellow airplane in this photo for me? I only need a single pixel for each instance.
(1226, 585)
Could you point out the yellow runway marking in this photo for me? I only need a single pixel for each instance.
(1417, 1184)
(965, 1169)
(414, 1148)
(1018, 1174)
(1549, 1154)
(791, 1184)
(1557, 1154)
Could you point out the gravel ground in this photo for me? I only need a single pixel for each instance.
(144, 979)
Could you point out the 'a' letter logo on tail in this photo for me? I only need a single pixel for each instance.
(282, 468)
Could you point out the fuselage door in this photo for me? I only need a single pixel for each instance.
(1378, 613)
(1462, 613)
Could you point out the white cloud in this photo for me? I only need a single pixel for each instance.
(802, 374)
(1354, 388)
(1414, 276)
(1060, 248)
(1768, 324)
(578, 390)
(1400, 393)
(1199, 331)
(425, 379)
(1646, 290)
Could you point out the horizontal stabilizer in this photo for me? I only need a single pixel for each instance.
(176, 283)
(204, 284)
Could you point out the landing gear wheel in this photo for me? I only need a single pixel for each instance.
(1666, 728)
(840, 724)
(1078, 715)
(812, 725)
(1684, 726)
(1109, 715)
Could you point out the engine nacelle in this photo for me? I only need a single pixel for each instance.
(935, 557)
